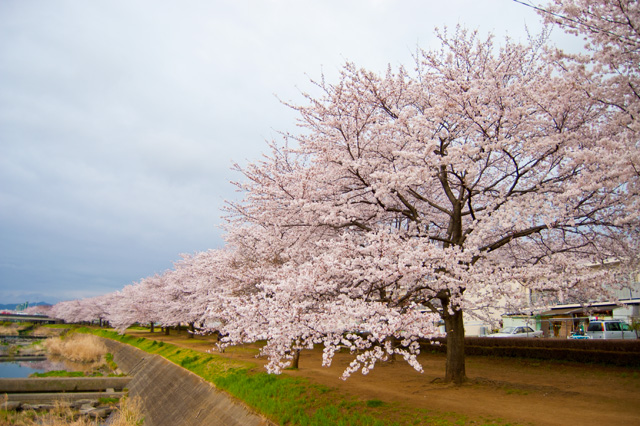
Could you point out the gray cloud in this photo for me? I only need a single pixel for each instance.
(119, 121)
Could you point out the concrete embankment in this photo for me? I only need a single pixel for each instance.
(173, 396)
(48, 389)
(63, 384)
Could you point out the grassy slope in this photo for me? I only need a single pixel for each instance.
(288, 400)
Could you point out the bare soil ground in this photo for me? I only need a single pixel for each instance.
(519, 391)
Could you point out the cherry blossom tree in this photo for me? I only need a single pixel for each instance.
(434, 190)
(99, 308)
(78, 311)
(137, 303)
(412, 198)
(612, 33)
(611, 30)
(62, 310)
(190, 288)
(39, 310)
(274, 293)
(188, 293)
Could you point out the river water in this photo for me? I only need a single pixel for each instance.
(10, 368)
(17, 369)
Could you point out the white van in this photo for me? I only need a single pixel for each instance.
(610, 329)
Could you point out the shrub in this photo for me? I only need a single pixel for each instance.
(77, 347)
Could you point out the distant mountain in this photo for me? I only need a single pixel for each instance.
(12, 306)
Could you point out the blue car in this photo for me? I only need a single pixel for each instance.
(578, 335)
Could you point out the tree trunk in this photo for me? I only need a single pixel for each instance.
(151, 327)
(394, 343)
(192, 330)
(296, 359)
(166, 330)
(455, 348)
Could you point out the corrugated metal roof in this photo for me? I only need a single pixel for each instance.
(579, 309)
(564, 311)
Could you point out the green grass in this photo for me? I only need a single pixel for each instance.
(516, 392)
(108, 401)
(110, 362)
(287, 400)
(59, 373)
(374, 403)
(57, 325)
(65, 373)
(26, 329)
(139, 328)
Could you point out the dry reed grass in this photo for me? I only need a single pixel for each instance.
(84, 348)
(49, 332)
(9, 329)
(60, 415)
(128, 414)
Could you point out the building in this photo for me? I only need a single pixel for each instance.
(560, 320)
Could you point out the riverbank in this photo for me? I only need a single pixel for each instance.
(83, 392)
(501, 391)
(173, 396)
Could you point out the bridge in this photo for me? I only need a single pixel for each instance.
(33, 318)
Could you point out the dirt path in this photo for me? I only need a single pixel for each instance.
(519, 391)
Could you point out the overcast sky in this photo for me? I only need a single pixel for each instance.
(120, 120)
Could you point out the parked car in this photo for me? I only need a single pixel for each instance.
(578, 334)
(523, 331)
(610, 329)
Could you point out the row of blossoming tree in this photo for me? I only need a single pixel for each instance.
(409, 198)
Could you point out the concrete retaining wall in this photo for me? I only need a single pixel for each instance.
(51, 397)
(63, 384)
(173, 396)
(46, 390)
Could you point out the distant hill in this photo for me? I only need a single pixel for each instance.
(12, 306)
